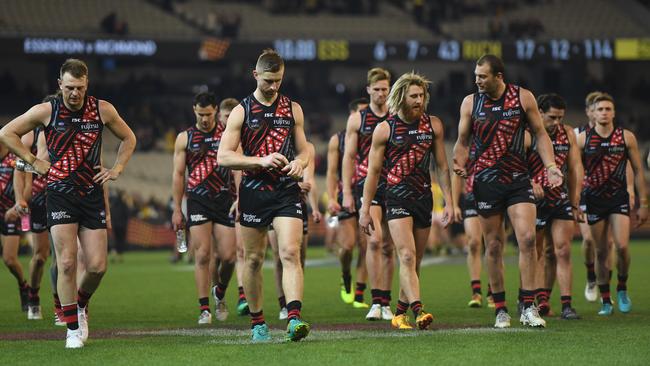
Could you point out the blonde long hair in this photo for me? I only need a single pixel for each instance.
(397, 97)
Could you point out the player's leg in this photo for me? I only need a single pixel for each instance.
(494, 236)
(242, 303)
(346, 238)
(10, 245)
(562, 232)
(388, 268)
(254, 240)
(201, 242)
(277, 274)
(362, 269)
(589, 254)
(226, 250)
(600, 232)
(474, 239)
(620, 228)
(41, 250)
(374, 263)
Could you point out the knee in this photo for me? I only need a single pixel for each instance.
(9, 260)
(202, 256)
(563, 251)
(407, 258)
(387, 250)
(40, 258)
(290, 255)
(96, 269)
(474, 246)
(68, 266)
(588, 242)
(375, 244)
(494, 249)
(527, 240)
(602, 253)
(254, 261)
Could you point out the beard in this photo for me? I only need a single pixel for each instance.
(413, 114)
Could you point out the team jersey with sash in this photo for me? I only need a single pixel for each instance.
(408, 157)
(267, 130)
(205, 178)
(7, 199)
(369, 121)
(605, 160)
(39, 182)
(560, 139)
(498, 129)
(74, 142)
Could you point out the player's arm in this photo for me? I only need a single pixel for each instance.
(544, 145)
(456, 191)
(442, 169)
(629, 178)
(23, 181)
(461, 148)
(639, 178)
(304, 154)
(375, 163)
(122, 131)
(310, 177)
(230, 156)
(38, 115)
(107, 204)
(576, 174)
(349, 157)
(332, 177)
(178, 180)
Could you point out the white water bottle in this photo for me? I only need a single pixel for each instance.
(23, 166)
(181, 241)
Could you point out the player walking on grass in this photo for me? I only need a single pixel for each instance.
(606, 149)
(557, 208)
(73, 125)
(209, 202)
(496, 118)
(358, 138)
(406, 145)
(270, 128)
(347, 233)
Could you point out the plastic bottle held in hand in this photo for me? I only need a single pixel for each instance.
(181, 241)
(25, 223)
(333, 221)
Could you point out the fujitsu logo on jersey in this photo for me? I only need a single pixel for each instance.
(282, 122)
(511, 113)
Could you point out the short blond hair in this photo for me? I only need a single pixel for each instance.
(269, 61)
(603, 97)
(397, 97)
(377, 74)
(589, 99)
(228, 104)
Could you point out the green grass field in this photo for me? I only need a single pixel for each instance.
(146, 310)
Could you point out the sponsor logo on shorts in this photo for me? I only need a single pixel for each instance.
(482, 205)
(471, 212)
(540, 222)
(251, 218)
(399, 211)
(197, 217)
(59, 215)
(37, 226)
(592, 217)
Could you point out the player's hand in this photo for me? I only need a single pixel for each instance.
(274, 161)
(460, 170)
(333, 207)
(458, 214)
(305, 187)
(109, 222)
(447, 216)
(554, 176)
(294, 170)
(178, 222)
(578, 215)
(365, 221)
(642, 216)
(317, 216)
(41, 166)
(105, 175)
(11, 215)
(234, 210)
(538, 191)
(22, 208)
(632, 200)
(348, 203)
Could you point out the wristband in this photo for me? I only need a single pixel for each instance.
(552, 165)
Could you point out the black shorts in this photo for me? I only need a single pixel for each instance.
(378, 200)
(468, 205)
(599, 208)
(343, 214)
(497, 197)
(259, 208)
(38, 215)
(9, 228)
(216, 210)
(419, 210)
(88, 210)
(546, 213)
(305, 219)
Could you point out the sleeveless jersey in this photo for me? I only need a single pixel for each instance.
(558, 195)
(267, 130)
(39, 182)
(7, 199)
(408, 157)
(605, 160)
(498, 129)
(205, 178)
(369, 121)
(74, 143)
